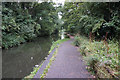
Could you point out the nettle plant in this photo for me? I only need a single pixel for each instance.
(102, 53)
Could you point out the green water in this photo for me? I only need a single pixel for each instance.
(18, 62)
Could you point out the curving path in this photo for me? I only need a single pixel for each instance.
(68, 63)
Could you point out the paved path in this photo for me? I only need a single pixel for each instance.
(44, 64)
(68, 63)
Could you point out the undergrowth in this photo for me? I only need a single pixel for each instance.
(99, 53)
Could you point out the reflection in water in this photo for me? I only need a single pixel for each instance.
(19, 61)
(62, 34)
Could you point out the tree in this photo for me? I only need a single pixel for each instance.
(98, 18)
(22, 21)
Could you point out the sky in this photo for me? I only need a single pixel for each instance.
(57, 2)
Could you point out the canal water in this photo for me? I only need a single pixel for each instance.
(18, 62)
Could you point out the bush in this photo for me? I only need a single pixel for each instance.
(82, 50)
(20, 24)
(11, 40)
(66, 36)
(92, 60)
(76, 41)
(99, 53)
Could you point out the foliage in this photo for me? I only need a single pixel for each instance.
(76, 41)
(96, 52)
(54, 45)
(97, 18)
(49, 64)
(12, 40)
(22, 21)
(33, 73)
(79, 40)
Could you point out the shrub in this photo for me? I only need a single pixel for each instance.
(76, 41)
(82, 50)
(66, 36)
(92, 60)
(95, 53)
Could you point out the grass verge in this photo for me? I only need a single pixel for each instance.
(33, 73)
(49, 64)
(54, 45)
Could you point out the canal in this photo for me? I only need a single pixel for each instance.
(18, 62)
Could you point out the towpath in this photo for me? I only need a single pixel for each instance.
(68, 63)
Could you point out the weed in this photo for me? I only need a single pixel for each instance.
(96, 52)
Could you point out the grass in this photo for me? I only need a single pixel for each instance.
(33, 73)
(54, 45)
(49, 64)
